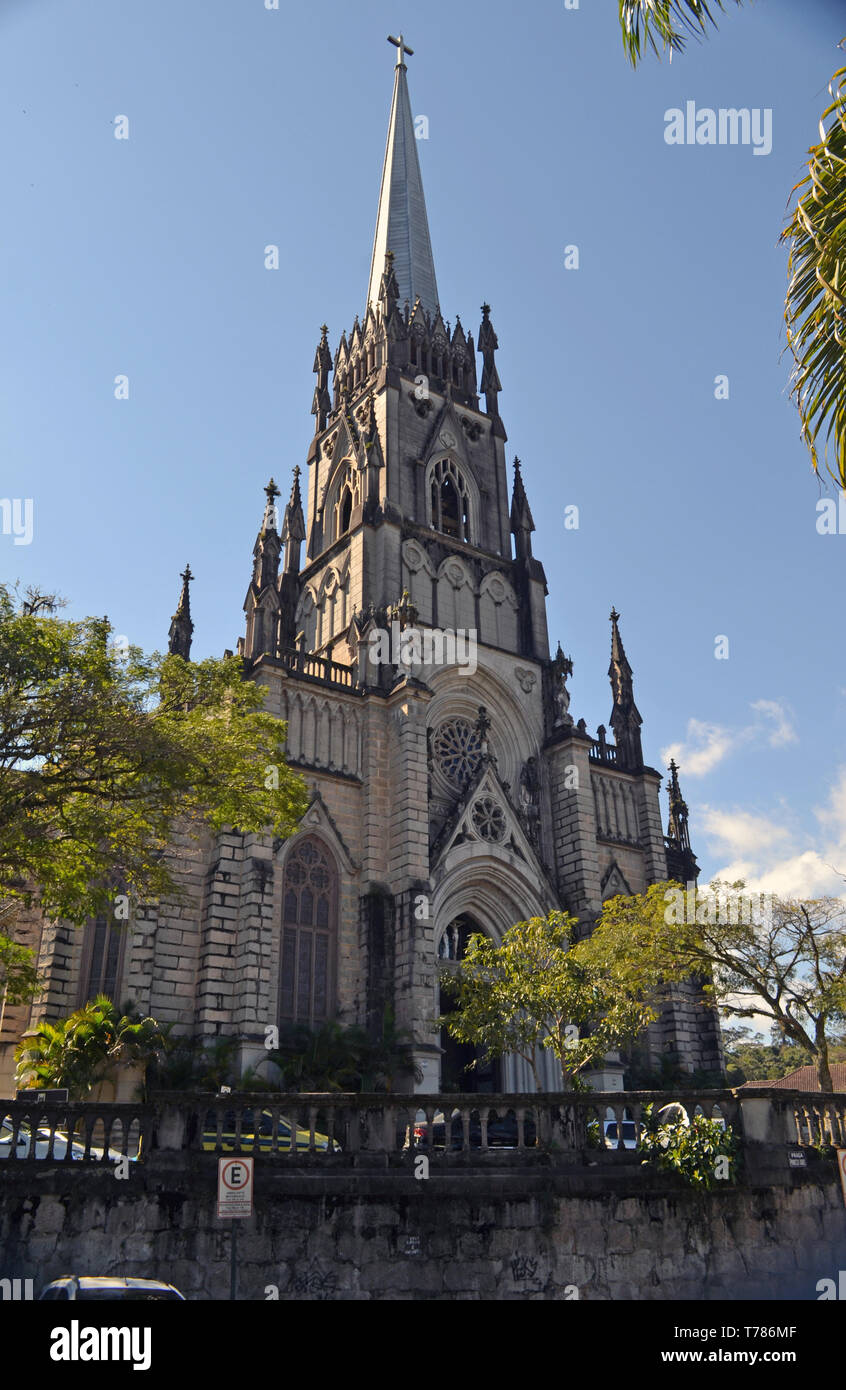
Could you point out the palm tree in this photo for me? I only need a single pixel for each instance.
(88, 1046)
(815, 306)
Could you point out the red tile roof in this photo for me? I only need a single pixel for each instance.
(803, 1079)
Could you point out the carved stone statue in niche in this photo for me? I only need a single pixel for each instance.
(562, 667)
(530, 800)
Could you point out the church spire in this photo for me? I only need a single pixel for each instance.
(293, 527)
(681, 861)
(322, 404)
(677, 828)
(402, 225)
(262, 602)
(181, 626)
(522, 524)
(491, 384)
(625, 718)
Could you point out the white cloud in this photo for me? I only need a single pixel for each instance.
(784, 731)
(775, 858)
(739, 832)
(707, 745)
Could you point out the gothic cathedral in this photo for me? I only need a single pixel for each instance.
(451, 789)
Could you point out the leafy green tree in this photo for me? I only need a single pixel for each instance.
(191, 1063)
(539, 990)
(749, 1059)
(19, 982)
(815, 307)
(786, 963)
(87, 1048)
(104, 752)
(693, 1149)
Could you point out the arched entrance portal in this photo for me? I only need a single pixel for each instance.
(463, 1067)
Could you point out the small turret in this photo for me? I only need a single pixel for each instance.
(293, 535)
(491, 384)
(625, 718)
(181, 626)
(262, 602)
(522, 524)
(681, 861)
(322, 404)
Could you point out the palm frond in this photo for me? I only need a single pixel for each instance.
(815, 308)
(668, 23)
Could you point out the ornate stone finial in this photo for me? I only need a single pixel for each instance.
(491, 384)
(404, 612)
(270, 521)
(615, 617)
(402, 48)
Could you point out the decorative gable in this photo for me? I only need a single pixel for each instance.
(614, 883)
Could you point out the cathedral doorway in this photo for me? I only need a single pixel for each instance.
(463, 1066)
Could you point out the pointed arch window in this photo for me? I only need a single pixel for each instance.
(348, 496)
(309, 934)
(450, 501)
(102, 959)
(345, 512)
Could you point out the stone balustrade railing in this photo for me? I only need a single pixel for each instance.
(340, 1130)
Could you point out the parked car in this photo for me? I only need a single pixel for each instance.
(90, 1287)
(630, 1130)
(42, 1144)
(502, 1131)
(285, 1131)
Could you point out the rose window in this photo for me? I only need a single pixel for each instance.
(457, 750)
(488, 819)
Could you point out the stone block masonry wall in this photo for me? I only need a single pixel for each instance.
(477, 1236)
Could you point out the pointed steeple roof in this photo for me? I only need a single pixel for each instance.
(521, 516)
(181, 626)
(402, 225)
(625, 717)
(677, 824)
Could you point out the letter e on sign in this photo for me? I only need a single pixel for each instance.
(235, 1187)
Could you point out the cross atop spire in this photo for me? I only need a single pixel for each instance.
(402, 49)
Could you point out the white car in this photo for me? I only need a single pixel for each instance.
(42, 1144)
(98, 1286)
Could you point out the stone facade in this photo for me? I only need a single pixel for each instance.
(446, 794)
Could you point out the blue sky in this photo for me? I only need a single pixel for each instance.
(248, 127)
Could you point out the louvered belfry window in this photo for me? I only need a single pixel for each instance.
(309, 931)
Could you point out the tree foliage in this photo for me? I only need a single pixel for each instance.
(537, 989)
(815, 311)
(786, 963)
(665, 25)
(338, 1058)
(105, 751)
(87, 1048)
(692, 1148)
(19, 982)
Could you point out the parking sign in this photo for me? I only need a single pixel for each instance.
(235, 1187)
